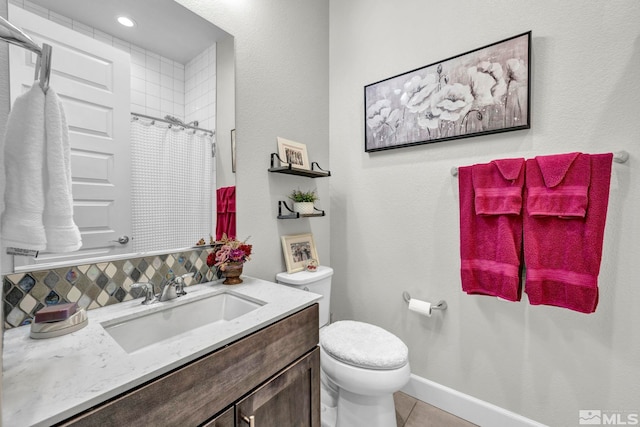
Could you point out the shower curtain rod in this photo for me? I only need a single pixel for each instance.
(171, 124)
(12, 34)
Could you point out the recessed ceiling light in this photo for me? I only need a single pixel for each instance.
(126, 21)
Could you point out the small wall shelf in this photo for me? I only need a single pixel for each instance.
(292, 170)
(294, 215)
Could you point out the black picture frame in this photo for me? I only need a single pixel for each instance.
(483, 91)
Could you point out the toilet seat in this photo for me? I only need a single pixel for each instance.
(363, 345)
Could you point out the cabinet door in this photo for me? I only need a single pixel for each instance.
(226, 419)
(290, 399)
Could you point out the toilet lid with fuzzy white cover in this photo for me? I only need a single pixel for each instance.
(363, 345)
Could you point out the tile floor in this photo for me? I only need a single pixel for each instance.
(411, 412)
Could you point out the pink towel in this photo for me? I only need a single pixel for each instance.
(221, 199)
(563, 189)
(491, 241)
(231, 199)
(563, 249)
(226, 214)
(496, 188)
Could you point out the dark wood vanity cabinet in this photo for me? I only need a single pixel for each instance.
(290, 399)
(272, 375)
(226, 419)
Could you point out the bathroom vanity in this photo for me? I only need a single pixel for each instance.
(261, 367)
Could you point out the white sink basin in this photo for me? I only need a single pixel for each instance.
(148, 328)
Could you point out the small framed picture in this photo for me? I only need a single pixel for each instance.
(293, 153)
(298, 250)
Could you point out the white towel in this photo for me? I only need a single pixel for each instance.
(38, 202)
(61, 232)
(24, 151)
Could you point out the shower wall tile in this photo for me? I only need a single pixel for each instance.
(82, 28)
(138, 56)
(138, 87)
(121, 44)
(166, 85)
(35, 8)
(178, 72)
(103, 37)
(96, 285)
(167, 107)
(166, 67)
(200, 88)
(62, 20)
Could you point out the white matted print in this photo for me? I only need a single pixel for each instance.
(293, 154)
(298, 250)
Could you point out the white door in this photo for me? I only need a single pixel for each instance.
(93, 82)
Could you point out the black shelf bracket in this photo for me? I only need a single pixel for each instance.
(318, 166)
(275, 156)
(295, 215)
(292, 170)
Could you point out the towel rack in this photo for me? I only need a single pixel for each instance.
(621, 156)
(12, 34)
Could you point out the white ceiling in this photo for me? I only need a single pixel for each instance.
(163, 26)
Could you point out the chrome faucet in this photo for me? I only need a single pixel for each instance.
(180, 284)
(168, 291)
(149, 296)
(173, 289)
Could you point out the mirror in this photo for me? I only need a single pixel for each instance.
(181, 66)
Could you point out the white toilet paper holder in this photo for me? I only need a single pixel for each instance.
(441, 305)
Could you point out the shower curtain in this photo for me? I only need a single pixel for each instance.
(173, 185)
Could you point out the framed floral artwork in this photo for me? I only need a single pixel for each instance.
(298, 250)
(480, 92)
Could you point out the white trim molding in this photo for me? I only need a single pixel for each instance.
(464, 406)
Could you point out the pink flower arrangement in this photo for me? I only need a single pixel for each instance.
(232, 250)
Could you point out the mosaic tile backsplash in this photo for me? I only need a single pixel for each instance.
(96, 285)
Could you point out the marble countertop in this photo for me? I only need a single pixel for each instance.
(48, 380)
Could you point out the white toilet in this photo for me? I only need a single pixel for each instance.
(362, 365)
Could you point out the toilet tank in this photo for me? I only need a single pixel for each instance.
(318, 282)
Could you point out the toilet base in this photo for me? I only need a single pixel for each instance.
(357, 410)
(327, 416)
(371, 411)
(359, 397)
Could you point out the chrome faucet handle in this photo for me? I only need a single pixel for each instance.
(179, 284)
(168, 291)
(149, 296)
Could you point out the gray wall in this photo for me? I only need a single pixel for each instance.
(394, 214)
(225, 111)
(282, 89)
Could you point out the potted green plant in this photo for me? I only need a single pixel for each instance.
(303, 201)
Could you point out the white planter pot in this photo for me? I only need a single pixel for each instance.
(303, 208)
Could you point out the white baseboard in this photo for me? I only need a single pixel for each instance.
(464, 406)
